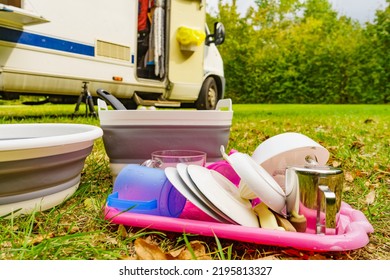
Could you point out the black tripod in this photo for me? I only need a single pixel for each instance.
(87, 98)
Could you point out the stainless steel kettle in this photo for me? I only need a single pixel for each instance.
(320, 189)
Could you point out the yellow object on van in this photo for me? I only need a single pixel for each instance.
(189, 36)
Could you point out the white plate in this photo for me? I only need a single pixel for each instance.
(208, 206)
(258, 180)
(174, 177)
(218, 190)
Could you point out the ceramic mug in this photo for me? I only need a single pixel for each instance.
(320, 189)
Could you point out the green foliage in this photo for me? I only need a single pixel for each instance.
(377, 70)
(285, 51)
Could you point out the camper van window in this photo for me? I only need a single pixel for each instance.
(15, 3)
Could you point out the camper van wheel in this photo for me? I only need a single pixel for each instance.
(208, 96)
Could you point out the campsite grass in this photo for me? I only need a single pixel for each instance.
(357, 136)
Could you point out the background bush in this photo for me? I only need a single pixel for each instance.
(284, 51)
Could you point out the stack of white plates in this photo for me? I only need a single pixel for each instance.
(213, 193)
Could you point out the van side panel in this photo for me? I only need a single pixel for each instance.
(89, 40)
(186, 66)
(54, 47)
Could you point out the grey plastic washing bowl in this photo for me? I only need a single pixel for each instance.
(40, 164)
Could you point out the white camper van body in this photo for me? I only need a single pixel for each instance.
(54, 47)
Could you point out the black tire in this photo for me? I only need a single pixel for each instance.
(208, 96)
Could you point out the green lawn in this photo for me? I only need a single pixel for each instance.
(357, 136)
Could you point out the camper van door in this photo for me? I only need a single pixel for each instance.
(185, 61)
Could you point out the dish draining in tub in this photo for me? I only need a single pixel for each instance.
(353, 229)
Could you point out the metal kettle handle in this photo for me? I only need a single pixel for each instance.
(330, 208)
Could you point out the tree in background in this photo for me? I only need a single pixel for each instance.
(285, 51)
(376, 70)
(236, 49)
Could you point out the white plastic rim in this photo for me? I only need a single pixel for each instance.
(216, 117)
(287, 149)
(32, 136)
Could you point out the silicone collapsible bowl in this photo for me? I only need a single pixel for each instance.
(41, 164)
(130, 136)
(146, 190)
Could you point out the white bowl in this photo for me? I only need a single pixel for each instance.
(41, 161)
(288, 149)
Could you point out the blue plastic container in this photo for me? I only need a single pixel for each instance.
(145, 190)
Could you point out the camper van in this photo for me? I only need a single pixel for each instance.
(145, 52)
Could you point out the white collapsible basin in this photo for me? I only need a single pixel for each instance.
(130, 136)
(40, 164)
